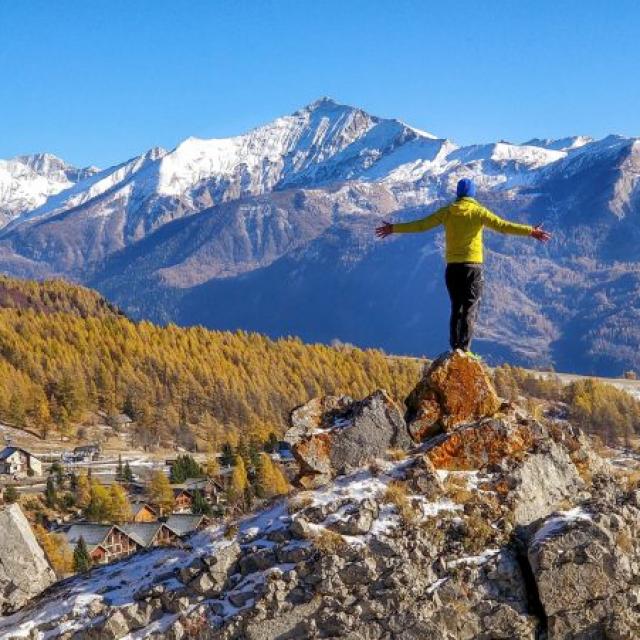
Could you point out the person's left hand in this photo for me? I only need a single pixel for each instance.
(540, 234)
(385, 230)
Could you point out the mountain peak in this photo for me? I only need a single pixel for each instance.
(323, 102)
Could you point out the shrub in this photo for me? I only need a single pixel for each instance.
(10, 495)
(329, 542)
(455, 488)
(397, 495)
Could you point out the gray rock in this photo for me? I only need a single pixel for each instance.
(241, 598)
(584, 569)
(318, 413)
(257, 561)
(24, 569)
(542, 482)
(358, 521)
(361, 433)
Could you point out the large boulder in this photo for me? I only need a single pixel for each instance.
(24, 569)
(346, 439)
(454, 390)
(585, 565)
(318, 413)
(483, 444)
(530, 471)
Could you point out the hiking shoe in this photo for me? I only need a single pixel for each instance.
(475, 356)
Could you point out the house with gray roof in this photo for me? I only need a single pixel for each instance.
(105, 542)
(186, 523)
(150, 534)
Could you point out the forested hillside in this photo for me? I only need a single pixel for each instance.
(65, 352)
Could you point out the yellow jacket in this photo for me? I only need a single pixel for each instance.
(463, 222)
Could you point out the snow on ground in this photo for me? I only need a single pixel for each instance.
(558, 523)
(118, 583)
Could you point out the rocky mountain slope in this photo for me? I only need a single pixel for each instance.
(268, 230)
(26, 182)
(462, 518)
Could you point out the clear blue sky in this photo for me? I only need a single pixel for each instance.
(97, 82)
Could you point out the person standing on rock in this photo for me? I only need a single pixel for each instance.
(463, 221)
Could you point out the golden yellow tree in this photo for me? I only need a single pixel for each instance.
(120, 505)
(160, 492)
(270, 481)
(56, 549)
(83, 490)
(239, 481)
(99, 507)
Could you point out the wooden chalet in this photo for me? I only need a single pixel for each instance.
(185, 523)
(142, 512)
(151, 534)
(212, 489)
(182, 500)
(105, 542)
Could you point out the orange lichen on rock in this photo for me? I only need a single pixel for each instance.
(454, 390)
(476, 446)
(312, 454)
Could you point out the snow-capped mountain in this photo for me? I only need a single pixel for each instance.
(27, 181)
(275, 226)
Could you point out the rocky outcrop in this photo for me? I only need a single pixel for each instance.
(458, 538)
(586, 564)
(318, 413)
(454, 390)
(24, 569)
(345, 436)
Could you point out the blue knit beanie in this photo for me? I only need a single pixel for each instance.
(466, 188)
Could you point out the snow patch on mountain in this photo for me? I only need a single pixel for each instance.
(570, 143)
(27, 181)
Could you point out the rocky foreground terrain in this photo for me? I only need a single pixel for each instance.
(463, 517)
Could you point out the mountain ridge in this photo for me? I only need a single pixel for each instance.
(293, 203)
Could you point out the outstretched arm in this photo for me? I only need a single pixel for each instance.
(501, 225)
(416, 226)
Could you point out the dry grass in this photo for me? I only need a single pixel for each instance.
(397, 454)
(435, 532)
(456, 489)
(329, 542)
(479, 534)
(397, 495)
(624, 542)
(231, 531)
(628, 479)
(584, 471)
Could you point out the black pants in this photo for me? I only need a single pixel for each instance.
(465, 282)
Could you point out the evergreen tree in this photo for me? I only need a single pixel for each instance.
(200, 505)
(185, 467)
(227, 458)
(81, 557)
(272, 443)
(57, 470)
(51, 495)
(10, 495)
(127, 474)
(119, 469)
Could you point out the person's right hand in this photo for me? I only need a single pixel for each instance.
(540, 234)
(385, 230)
